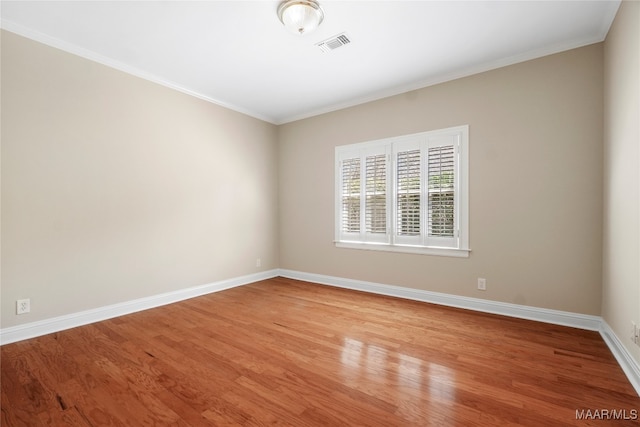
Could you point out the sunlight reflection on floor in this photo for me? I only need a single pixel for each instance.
(417, 381)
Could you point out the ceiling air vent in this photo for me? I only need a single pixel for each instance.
(334, 42)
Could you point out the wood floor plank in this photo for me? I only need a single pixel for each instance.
(289, 353)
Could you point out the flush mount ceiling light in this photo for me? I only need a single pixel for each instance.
(300, 16)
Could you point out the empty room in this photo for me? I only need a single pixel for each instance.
(320, 213)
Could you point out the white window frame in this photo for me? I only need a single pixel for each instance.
(456, 246)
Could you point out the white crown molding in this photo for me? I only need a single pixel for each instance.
(564, 318)
(120, 66)
(378, 95)
(57, 324)
(446, 77)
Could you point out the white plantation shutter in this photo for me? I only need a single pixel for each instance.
(408, 199)
(443, 191)
(441, 177)
(425, 195)
(350, 195)
(363, 190)
(407, 194)
(376, 194)
(374, 207)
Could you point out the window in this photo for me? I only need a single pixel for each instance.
(406, 194)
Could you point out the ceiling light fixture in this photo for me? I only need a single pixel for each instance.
(300, 16)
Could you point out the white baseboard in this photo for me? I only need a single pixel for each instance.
(624, 358)
(56, 324)
(564, 318)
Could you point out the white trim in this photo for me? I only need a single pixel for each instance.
(630, 367)
(625, 360)
(56, 324)
(450, 76)
(564, 318)
(407, 249)
(120, 66)
(457, 245)
(556, 317)
(381, 94)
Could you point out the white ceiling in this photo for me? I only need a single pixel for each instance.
(238, 54)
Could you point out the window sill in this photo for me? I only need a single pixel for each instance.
(422, 250)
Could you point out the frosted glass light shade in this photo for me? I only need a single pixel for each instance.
(300, 16)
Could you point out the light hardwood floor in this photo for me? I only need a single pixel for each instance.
(284, 352)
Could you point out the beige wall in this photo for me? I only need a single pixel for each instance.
(621, 260)
(115, 188)
(535, 184)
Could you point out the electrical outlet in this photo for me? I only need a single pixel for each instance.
(635, 334)
(482, 284)
(23, 306)
(258, 262)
